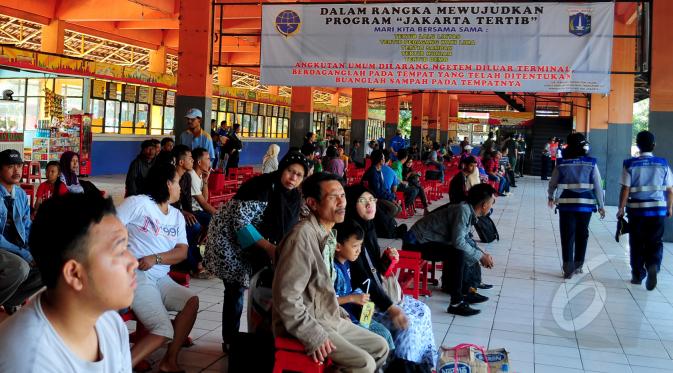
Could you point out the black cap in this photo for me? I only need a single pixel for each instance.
(10, 156)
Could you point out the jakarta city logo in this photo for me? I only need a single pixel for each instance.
(288, 22)
(580, 24)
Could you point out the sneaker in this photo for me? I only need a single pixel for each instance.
(579, 270)
(651, 281)
(484, 286)
(462, 309)
(567, 275)
(474, 298)
(636, 280)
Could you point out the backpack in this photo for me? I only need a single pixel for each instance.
(486, 229)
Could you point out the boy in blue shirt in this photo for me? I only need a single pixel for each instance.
(349, 245)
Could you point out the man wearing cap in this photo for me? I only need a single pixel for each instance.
(647, 194)
(194, 136)
(19, 278)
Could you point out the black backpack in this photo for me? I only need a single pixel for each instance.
(486, 229)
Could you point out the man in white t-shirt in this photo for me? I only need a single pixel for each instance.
(89, 273)
(200, 173)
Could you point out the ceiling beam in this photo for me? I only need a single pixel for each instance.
(150, 24)
(14, 9)
(104, 10)
(150, 39)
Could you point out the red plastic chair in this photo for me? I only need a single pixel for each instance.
(291, 356)
(31, 171)
(413, 276)
(399, 196)
(30, 192)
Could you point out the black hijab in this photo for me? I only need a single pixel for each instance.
(283, 205)
(370, 256)
(371, 241)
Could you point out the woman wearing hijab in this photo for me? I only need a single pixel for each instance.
(270, 161)
(69, 170)
(243, 234)
(407, 319)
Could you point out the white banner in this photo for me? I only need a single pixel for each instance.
(513, 47)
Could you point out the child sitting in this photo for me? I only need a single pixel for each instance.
(50, 187)
(349, 245)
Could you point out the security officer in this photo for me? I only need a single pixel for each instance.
(647, 193)
(578, 182)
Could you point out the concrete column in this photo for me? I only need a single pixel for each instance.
(620, 110)
(444, 102)
(433, 115)
(661, 88)
(598, 133)
(224, 76)
(195, 82)
(417, 120)
(359, 116)
(301, 114)
(53, 37)
(453, 113)
(158, 60)
(581, 124)
(392, 114)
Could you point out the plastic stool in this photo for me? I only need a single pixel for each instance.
(291, 356)
(31, 171)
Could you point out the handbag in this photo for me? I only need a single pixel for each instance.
(622, 227)
(392, 287)
(389, 284)
(486, 229)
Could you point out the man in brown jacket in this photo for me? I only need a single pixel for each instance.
(304, 302)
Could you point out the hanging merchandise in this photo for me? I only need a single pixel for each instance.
(53, 104)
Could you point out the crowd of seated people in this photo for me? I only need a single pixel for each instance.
(289, 221)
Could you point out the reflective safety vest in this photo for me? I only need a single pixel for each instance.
(576, 177)
(648, 185)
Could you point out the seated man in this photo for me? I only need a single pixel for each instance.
(445, 234)
(73, 326)
(377, 186)
(459, 185)
(305, 305)
(138, 169)
(492, 167)
(184, 164)
(200, 174)
(19, 278)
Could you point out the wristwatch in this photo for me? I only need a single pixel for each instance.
(158, 258)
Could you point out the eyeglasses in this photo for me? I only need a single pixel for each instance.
(364, 201)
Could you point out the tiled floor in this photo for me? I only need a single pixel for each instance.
(596, 322)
